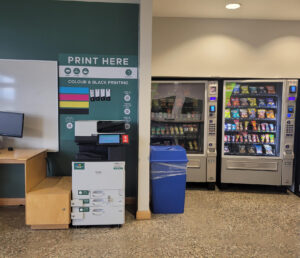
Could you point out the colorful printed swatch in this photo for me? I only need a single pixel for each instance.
(74, 100)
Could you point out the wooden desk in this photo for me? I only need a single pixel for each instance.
(35, 167)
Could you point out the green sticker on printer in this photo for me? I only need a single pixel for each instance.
(83, 192)
(78, 165)
(84, 209)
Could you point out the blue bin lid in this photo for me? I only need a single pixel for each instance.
(173, 153)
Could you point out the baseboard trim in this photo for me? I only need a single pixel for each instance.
(143, 215)
(12, 201)
(58, 226)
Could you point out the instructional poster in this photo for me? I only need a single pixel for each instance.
(98, 87)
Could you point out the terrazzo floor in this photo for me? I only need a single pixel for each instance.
(215, 224)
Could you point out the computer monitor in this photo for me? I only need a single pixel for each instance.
(11, 124)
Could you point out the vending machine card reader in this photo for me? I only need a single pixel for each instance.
(98, 173)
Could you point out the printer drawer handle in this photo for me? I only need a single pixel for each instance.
(96, 202)
(98, 212)
(98, 194)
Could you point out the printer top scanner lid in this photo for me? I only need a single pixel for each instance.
(111, 126)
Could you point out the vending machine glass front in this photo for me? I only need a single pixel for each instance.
(252, 118)
(177, 115)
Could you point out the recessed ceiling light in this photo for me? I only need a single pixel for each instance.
(233, 6)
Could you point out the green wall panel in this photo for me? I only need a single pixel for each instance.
(41, 30)
(12, 178)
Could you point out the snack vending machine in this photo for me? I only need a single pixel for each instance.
(185, 113)
(258, 132)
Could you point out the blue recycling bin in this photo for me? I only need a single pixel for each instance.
(168, 178)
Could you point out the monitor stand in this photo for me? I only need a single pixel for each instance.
(2, 144)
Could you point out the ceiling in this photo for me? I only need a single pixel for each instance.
(250, 9)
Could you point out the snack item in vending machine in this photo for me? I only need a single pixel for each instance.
(252, 113)
(241, 138)
(245, 136)
(258, 127)
(241, 126)
(237, 138)
(244, 89)
(271, 89)
(267, 128)
(261, 102)
(225, 138)
(254, 138)
(229, 126)
(162, 129)
(167, 131)
(195, 128)
(262, 90)
(262, 138)
(195, 145)
(253, 89)
(153, 131)
(270, 102)
(226, 127)
(226, 149)
(237, 124)
(235, 102)
(242, 149)
(191, 146)
(270, 114)
(246, 125)
(249, 138)
(254, 127)
(232, 138)
(257, 138)
(261, 113)
(157, 130)
(267, 138)
(191, 128)
(227, 113)
(258, 149)
(176, 130)
(233, 127)
(272, 138)
(235, 113)
(252, 102)
(272, 127)
(228, 103)
(228, 138)
(243, 113)
(244, 102)
(268, 149)
(263, 127)
(236, 89)
(185, 128)
(181, 130)
(172, 130)
(251, 150)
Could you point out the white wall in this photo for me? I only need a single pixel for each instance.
(226, 48)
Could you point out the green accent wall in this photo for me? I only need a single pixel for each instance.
(41, 30)
(12, 180)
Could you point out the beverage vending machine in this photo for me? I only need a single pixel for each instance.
(185, 113)
(258, 132)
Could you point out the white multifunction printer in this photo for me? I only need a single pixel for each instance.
(98, 173)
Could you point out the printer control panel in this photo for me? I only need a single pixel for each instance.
(289, 115)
